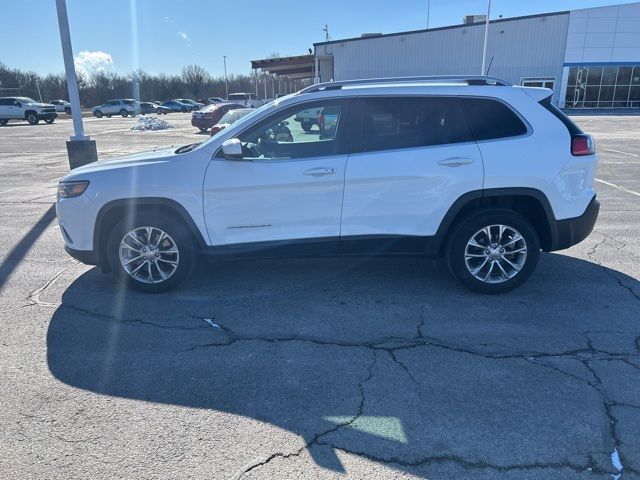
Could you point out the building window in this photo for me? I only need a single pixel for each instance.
(542, 82)
(591, 86)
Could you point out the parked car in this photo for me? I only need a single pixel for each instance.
(61, 106)
(246, 99)
(24, 108)
(176, 106)
(308, 118)
(194, 105)
(216, 100)
(148, 107)
(161, 109)
(229, 118)
(208, 116)
(483, 173)
(123, 107)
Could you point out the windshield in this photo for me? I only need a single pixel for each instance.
(236, 96)
(234, 115)
(26, 100)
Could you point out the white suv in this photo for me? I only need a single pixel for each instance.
(23, 108)
(483, 173)
(122, 107)
(250, 100)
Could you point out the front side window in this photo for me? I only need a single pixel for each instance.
(410, 122)
(281, 137)
(491, 119)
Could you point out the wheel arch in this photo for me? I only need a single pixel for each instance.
(528, 202)
(28, 112)
(112, 212)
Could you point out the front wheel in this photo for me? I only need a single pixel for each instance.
(493, 251)
(150, 254)
(123, 112)
(33, 119)
(3, 121)
(98, 114)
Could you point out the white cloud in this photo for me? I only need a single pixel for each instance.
(88, 63)
(184, 36)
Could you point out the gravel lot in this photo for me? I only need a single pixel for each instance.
(286, 369)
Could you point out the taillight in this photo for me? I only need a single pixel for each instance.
(582, 145)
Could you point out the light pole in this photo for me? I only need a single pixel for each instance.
(81, 149)
(486, 38)
(226, 82)
(428, 11)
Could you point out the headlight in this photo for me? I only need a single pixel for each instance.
(72, 189)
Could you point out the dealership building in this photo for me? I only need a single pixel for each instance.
(590, 58)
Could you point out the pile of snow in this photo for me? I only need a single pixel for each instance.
(152, 123)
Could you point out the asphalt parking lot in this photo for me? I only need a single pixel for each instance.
(314, 368)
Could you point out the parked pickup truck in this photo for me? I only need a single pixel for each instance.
(308, 118)
(250, 100)
(23, 108)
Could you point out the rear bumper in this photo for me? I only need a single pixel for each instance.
(571, 231)
(88, 257)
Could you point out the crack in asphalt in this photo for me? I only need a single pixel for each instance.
(606, 270)
(315, 440)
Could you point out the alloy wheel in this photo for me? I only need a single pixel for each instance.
(495, 253)
(149, 254)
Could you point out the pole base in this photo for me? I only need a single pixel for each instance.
(81, 152)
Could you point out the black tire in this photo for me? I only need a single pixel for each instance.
(67, 110)
(184, 110)
(98, 114)
(180, 235)
(306, 126)
(466, 229)
(49, 120)
(3, 121)
(123, 112)
(32, 118)
(108, 116)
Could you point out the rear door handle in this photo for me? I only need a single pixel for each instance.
(455, 162)
(320, 172)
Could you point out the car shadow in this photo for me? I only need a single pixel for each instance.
(306, 345)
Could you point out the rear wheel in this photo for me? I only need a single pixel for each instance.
(49, 120)
(150, 254)
(493, 251)
(123, 112)
(3, 121)
(32, 118)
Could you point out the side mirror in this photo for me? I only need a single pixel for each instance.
(232, 149)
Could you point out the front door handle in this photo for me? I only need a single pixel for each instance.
(320, 172)
(455, 162)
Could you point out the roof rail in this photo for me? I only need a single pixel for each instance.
(468, 79)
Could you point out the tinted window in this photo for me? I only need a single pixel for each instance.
(491, 119)
(407, 122)
(6, 101)
(280, 136)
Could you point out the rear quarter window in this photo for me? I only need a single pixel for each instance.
(491, 119)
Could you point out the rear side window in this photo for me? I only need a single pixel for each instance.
(409, 122)
(490, 119)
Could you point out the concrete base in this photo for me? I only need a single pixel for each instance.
(81, 152)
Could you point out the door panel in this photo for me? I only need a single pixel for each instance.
(416, 158)
(288, 186)
(258, 201)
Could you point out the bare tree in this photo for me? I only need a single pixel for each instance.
(195, 77)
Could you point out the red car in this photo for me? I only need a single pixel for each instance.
(211, 114)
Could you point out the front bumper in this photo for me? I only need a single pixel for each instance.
(571, 231)
(88, 257)
(47, 116)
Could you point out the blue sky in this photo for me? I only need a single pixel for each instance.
(175, 33)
